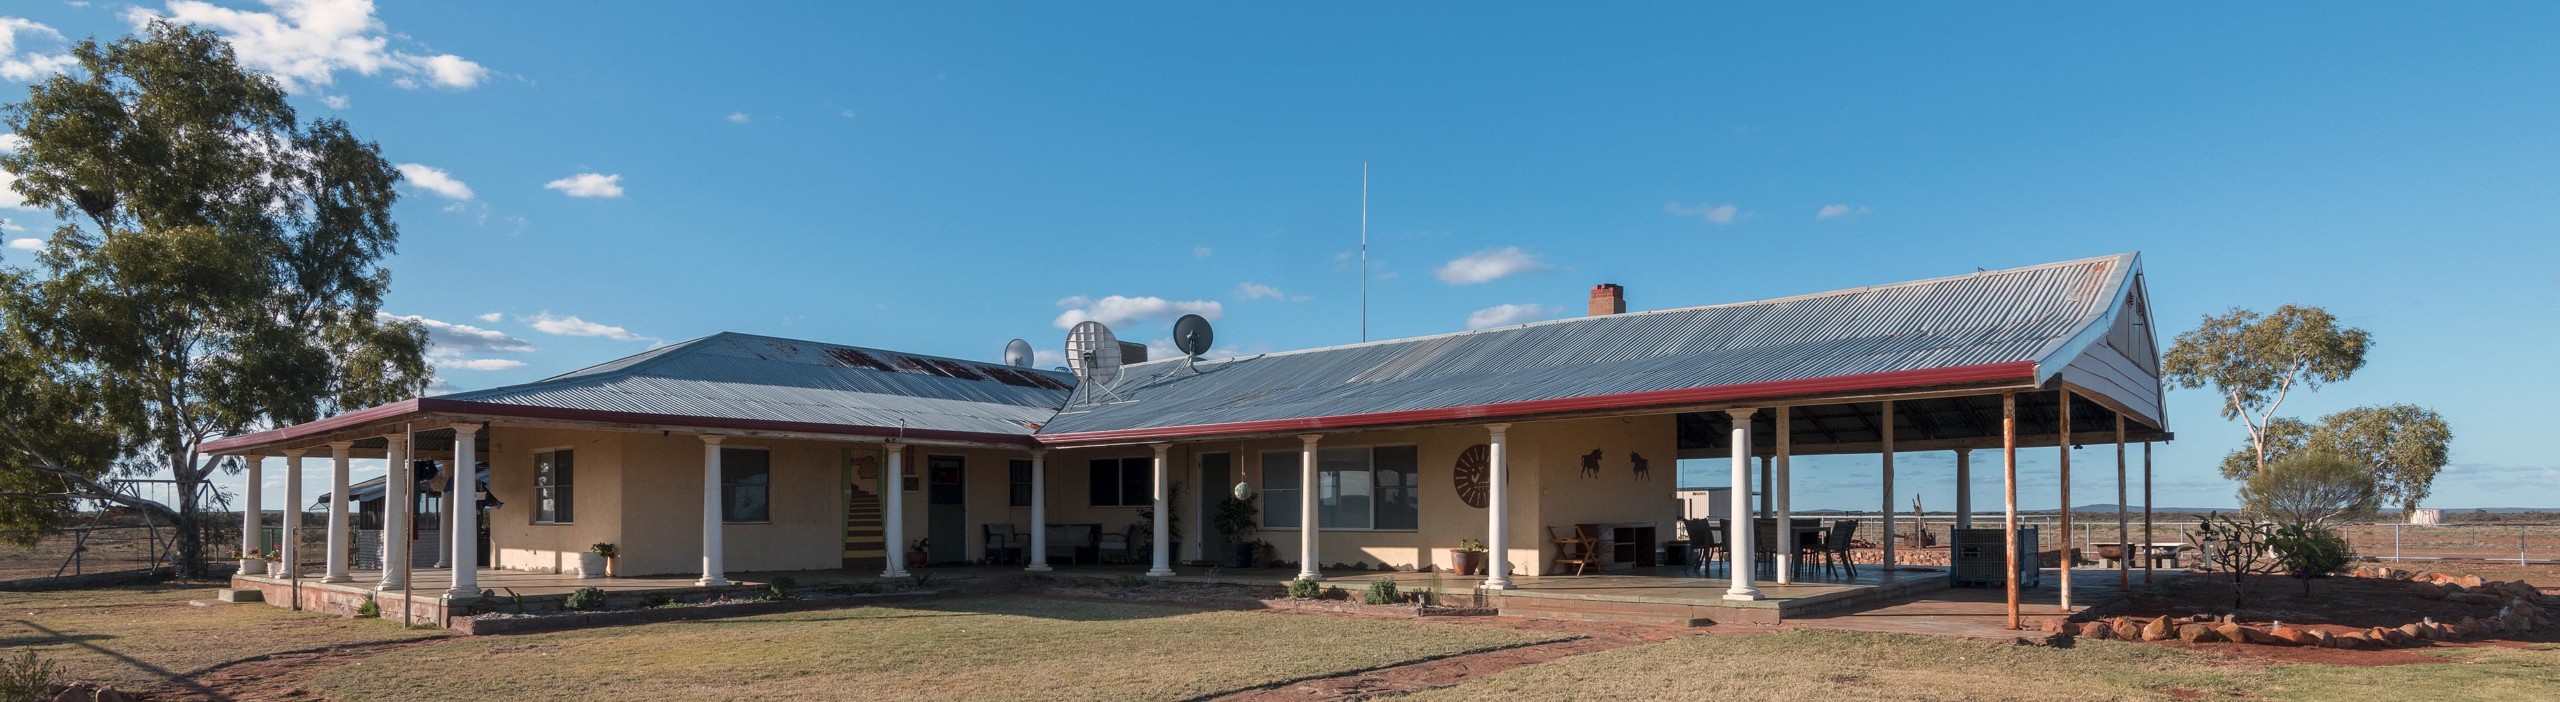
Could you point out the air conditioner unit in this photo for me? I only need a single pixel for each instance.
(1976, 558)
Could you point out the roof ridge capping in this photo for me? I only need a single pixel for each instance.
(2131, 260)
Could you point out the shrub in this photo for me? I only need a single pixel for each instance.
(2310, 551)
(1305, 589)
(656, 601)
(1382, 591)
(2312, 488)
(26, 677)
(584, 599)
(2236, 549)
(783, 587)
(369, 609)
(605, 550)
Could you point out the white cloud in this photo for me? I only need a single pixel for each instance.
(435, 180)
(456, 339)
(11, 226)
(1488, 265)
(27, 244)
(12, 142)
(1839, 210)
(589, 185)
(9, 197)
(493, 316)
(1201, 252)
(848, 113)
(28, 66)
(483, 364)
(1507, 315)
(1258, 291)
(1048, 358)
(1117, 310)
(573, 326)
(305, 43)
(336, 102)
(738, 117)
(1713, 214)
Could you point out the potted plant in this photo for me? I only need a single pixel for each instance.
(1236, 520)
(1262, 553)
(275, 562)
(915, 551)
(1468, 557)
(597, 561)
(252, 562)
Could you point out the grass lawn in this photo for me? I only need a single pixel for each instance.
(143, 637)
(995, 648)
(1815, 664)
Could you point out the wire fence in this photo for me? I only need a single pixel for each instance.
(72, 554)
(2519, 543)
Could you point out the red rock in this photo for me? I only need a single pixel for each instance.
(2199, 633)
(2234, 633)
(2353, 641)
(2412, 631)
(2126, 628)
(2159, 630)
(2098, 630)
(2289, 636)
(2470, 581)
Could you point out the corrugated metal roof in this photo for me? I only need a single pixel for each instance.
(743, 376)
(2009, 316)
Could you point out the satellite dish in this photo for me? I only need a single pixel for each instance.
(1093, 354)
(1017, 353)
(1192, 334)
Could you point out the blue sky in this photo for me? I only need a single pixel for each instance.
(941, 179)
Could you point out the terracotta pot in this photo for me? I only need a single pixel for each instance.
(1467, 562)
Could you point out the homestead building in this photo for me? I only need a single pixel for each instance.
(741, 454)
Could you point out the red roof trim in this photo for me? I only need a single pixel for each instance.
(2016, 370)
(416, 406)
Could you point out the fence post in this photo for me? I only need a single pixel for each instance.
(2520, 552)
(2395, 543)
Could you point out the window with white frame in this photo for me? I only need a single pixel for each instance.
(1357, 488)
(746, 485)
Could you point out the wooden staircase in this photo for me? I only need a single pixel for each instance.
(864, 548)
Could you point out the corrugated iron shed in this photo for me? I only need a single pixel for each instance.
(2026, 322)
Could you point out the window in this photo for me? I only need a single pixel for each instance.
(746, 485)
(1021, 477)
(1356, 488)
(554, 502)
(1122, 482)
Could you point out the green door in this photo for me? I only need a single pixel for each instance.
(946, 510)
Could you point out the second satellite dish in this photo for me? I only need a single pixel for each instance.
(1192, 335)
(1017, 353)
(1093, 353)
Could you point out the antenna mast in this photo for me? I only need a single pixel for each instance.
(1364, 251)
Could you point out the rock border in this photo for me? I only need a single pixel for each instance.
(2523, 608)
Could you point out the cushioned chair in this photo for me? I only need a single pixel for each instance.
(1004, 545)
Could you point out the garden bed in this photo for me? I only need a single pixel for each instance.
(2374, 607)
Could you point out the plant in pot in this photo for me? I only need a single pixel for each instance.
(1236, 517)
(915, 551)
(1468, 557)
(1262, 553)
(275, 562)
(598, 560)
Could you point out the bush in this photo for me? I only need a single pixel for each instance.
(584, 599)
(656, 601)
(2312, 489)
(2310, 551)
(783, 587)
(26, 677)
(369, 609)
(1382, 591)
(1305, 589)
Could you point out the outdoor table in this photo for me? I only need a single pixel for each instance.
(2111, 551)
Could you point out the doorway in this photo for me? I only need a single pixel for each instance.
(1217, 481)
(946, 510)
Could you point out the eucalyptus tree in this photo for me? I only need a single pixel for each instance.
(2401, 447)
(215, 268)
(2257, 361)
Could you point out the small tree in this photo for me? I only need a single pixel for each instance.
(2311, 488)
(2310, 552)
(2236, 549)
(2256, 361)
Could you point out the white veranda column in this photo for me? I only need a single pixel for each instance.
(1163, 517)
(714, 573)
(253, 548)
(1738, 537)
(336, 569)
(1039, 512)
(1307, 555)
(893, 520)
(291, 515)
(1964, 488)
(464, 507)
(1787, 544)
(444, 515)
(397, 503)
(1497, 527)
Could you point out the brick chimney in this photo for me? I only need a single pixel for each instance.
(1608, 298)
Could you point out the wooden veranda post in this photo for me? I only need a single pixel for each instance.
(2065, 446)
(1886, 566)
(2146, 513)
(2009, 489)
(2124, 532)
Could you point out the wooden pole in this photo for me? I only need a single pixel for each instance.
(2146, 513)
(2065, 446)
(2009, 488)
(1886, 566)
(2124, 532)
